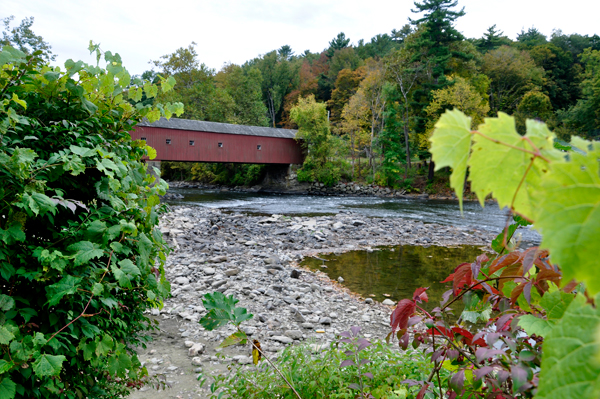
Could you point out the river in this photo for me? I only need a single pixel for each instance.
(489, 218)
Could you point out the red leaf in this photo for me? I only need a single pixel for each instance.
(448, 279)
(462, 277)
(441, 331)
(506, 260)
(466, 334)
(528, 257)
(551, 275)
(399, 317)
(421, 295)
(516, 292)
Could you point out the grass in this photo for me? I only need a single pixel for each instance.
(317, 374)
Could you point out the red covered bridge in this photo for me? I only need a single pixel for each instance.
(200, 141)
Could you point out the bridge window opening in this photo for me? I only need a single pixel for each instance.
(191, 142)
(168, 141)
(220, 145)
(143, 138)
(259, 147)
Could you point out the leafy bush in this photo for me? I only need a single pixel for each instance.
(539, 305)
(78, 237)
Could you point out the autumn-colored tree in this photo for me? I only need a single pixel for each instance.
(355, 127)
(460, 95)
(405, 72)
(346, 85)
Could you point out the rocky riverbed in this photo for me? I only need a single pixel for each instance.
(255, 258)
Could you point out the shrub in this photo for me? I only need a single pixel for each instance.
(78, 237)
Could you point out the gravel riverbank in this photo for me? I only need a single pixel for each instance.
(255, 258)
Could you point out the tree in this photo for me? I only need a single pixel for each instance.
(533, 105)
(337, 43)
(346, 85)
(372, 91)
(491, 40)
(196, 87)
(244, 88)
(513, 73)
(531, 38)
(314, 131)
(399, 35)
(560, 74)
(378, 47)
(584, 117)
(433, 46)
(23, 38)
(405, 73)
(355, 126)
(279, 78)
(462, 96)
(285, 52)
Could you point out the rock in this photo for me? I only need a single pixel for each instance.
(340, 279)
(250, 243)
(218, 283)
(358, 223)
(298, 317)
(294, 334)
(369, 301)
(182, 280)
(209, 271)
(388, 302)
(241, 359)
(282, 339)
(232, 272)
(196, 349)
(325, 320)
(189, 344)
(197, 361)
(295, 274)
(308, 326)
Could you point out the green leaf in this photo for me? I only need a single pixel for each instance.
(5, 366)
(240, 315)
(498, 242)
(48, 365)
(569, 215)
(38, 203)
(236, 338)
(13, 234)
(125, 273)
(97, 289)
(105, 345)
(85, 251)
(22, 103)
(215, 318)
(450, 146)
(6, 302)
(83, 152)
(5, 336)
(66, 286)
(535, 325)
(499, 168)
(569, 367)
(8, 388)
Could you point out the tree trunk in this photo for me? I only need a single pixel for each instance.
(431, 171)
(406, 146)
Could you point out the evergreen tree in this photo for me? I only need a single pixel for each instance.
(339, 42)
(23, 38)
(433, 47)
(491, 40)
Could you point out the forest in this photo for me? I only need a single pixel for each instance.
(382, 96)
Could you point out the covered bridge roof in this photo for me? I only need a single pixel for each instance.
(215, 127)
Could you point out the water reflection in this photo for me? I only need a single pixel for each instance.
(396, 271)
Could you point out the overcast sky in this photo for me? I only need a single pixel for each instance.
(238, 30)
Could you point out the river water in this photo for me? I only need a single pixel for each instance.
(489, 218)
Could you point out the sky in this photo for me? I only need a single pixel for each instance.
(234, 31)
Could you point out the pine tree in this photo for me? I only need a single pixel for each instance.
(433, 48)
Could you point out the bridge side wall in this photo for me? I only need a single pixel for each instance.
(194, 146)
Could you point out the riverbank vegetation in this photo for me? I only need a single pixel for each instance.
(381, 97)
(81, 258)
